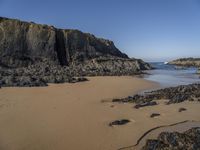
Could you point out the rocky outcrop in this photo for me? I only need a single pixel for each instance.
(47, 72)
(43, 54)
(173, 95)
(188, 140)
(186, 62)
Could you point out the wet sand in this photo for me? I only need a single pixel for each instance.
(72, 116)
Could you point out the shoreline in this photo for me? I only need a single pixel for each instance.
(72, 116)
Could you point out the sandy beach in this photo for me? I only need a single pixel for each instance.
(73, 116)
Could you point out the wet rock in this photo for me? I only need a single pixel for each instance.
(154, 115)
(151, 103)
(188, 140)
(119, 122)
(182, 109)
(173, 95)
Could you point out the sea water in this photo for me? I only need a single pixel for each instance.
(170, 75)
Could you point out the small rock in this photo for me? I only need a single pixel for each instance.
(119, 122)
(145, 104)
(116, 100)
(154, 115)
(82, 79)
(182, 109)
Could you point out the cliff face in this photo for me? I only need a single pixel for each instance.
(186, 62)
(23, 43)
(34, 55)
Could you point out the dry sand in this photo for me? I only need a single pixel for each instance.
(72, 116)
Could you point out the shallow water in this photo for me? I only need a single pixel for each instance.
(168, 75)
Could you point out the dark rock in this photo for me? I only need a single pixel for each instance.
(154, 115)
(151, 103)
(173, 94)
(182, 109)
(119, 122)
(155, 145)
(188, 140)
(117, 100)
(79, 79)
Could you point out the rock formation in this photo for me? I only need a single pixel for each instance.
(44, 54)
(188, 140)
(186, 62)
(172, 94)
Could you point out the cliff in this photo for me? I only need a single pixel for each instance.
(34, 55)
(24, 43)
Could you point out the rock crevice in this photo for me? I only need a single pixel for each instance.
(60, 48)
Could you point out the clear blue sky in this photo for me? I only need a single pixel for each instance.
(153, 30)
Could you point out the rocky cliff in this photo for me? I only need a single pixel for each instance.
(24, 43)
(31, 54)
